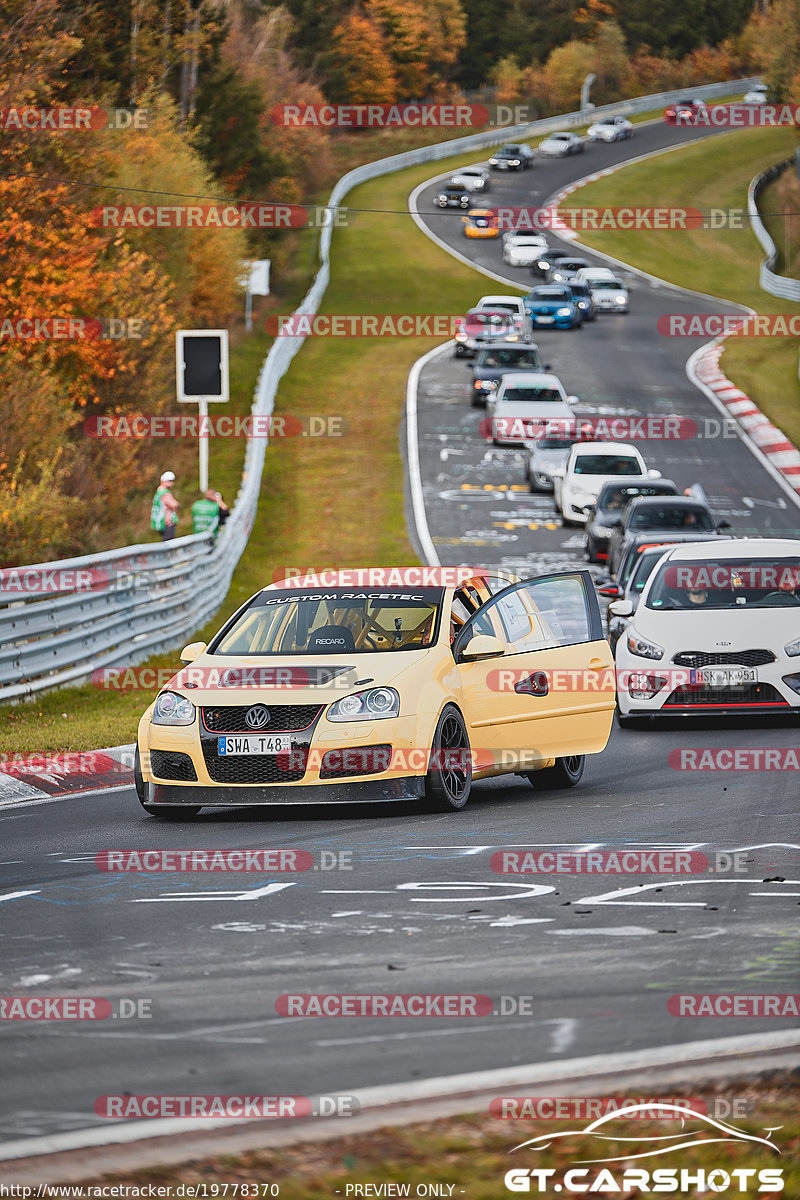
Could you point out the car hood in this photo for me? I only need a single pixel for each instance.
(496, 372)
(291, 679)
(527, 409)
(659, 535)
(704, 629)
(592, 483)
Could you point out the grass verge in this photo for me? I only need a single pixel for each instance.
(471, 1155)
(723, 262)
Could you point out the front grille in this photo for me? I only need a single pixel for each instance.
(737, 658)
(171, 764)
(284, 718)
(355, 760)
(749, 696)
(287, 767)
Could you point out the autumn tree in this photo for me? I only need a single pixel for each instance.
(358, 65)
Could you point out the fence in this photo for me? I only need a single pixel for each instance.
(49, 638)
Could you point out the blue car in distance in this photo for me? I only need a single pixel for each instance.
(552, 304)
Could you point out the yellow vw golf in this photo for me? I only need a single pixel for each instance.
(382, 684)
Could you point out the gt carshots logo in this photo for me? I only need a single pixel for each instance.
(696, 1129)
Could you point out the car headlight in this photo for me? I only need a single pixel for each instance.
(374, 704)
(620, 299)
(642, 648)
(172, 709)
(792, 648)
(492, 162)
(485, 385)
(603, 530)
(564, 312)
(542, 264)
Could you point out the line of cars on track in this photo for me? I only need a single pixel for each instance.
(701, 622)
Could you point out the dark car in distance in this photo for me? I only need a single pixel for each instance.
(606, 513)
(658, 516)
(491, 363)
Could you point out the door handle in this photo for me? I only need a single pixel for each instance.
(598, 664)
(536, 684)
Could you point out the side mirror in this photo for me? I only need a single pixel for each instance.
(573, 400)
(191, 652)
(653, 474)
(724, 525)
(590, 508)
(547, 367)
(608, 589)
(621, 608)
(483, 645)
(614, 522)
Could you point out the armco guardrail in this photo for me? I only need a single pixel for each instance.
(776, 285)
(50, 638)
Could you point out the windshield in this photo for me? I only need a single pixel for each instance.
(550, 294)
(334, 621)
(672, 516)
(510, 151)
(615, 496)
(606, 464)
(607, 285)
(550, 443)
(726, 584)
(496, 320)
(535, 394)
(644, 569)
(517, 356)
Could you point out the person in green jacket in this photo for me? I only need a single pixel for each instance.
(164, 509)
(209, 513)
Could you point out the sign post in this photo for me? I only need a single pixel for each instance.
(256, 281)
(201, 363)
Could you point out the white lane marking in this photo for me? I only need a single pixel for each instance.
(255, 894)
(19, 895)
(605, 931)
(563, 1034)
(612, 898)
(524, 891)
(412, 457)
(239, 927)
(507, 922)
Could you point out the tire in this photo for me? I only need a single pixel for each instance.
(167, 812)
(566, 773)
(591, 552)
(447, 790)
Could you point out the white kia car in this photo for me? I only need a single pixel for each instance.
(609, 129)
(591, 464)
(527, 404)
(716, 632)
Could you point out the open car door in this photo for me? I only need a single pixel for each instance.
(546, 688)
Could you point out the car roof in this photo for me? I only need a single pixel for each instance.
(493, 299)
(511, 342)
(616, 448)
(665, 483)
(480, 212)
(734, 548)
(488, 312)
(681, 501)
(599, 273)
(534, 379)
(560, 133)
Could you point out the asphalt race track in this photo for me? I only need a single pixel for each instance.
(421, 909)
